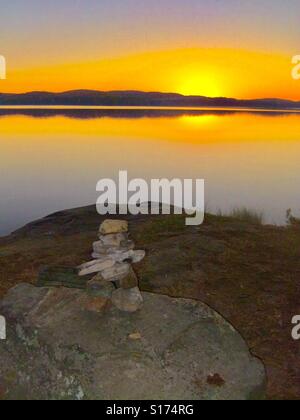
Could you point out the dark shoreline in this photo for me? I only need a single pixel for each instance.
(139, 99)
(119, 113)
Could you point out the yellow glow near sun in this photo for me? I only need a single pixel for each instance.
(207, 72)
(199, 83)
(196, 120)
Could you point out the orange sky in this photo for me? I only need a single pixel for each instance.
(210, 72)
(233, 48)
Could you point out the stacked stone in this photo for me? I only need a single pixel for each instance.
(115, 280)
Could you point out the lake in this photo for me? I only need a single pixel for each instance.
(51, 159)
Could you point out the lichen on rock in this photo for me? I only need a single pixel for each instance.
(170, 349)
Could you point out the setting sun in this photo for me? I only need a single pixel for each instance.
(200, 83)
(210, 72)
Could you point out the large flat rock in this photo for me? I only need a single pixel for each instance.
(55, 349)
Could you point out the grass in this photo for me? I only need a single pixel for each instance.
(244, 214)
(291, 220)
(161, 225)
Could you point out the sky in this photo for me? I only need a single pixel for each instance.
(232, 48)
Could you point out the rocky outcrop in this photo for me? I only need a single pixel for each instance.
(69, 344)
(246, 272)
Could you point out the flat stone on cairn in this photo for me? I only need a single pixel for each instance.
(127, 300)
(113, 226)
(95, 266)
(112, 257)
(114, 239)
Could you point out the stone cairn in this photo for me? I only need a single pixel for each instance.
(115, 280)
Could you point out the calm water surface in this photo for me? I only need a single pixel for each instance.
(52, 159)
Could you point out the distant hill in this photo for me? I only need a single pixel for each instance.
(136, 98)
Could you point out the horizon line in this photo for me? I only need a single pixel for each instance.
(145, 108)
(147, 92)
